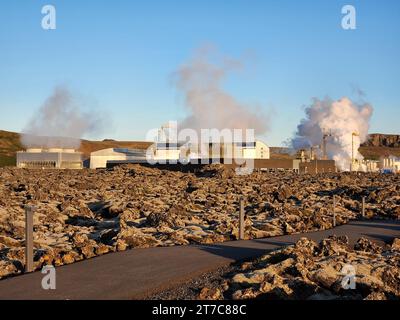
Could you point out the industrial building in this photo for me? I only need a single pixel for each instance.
(309, 163)
(267, 165)
(169, 155)
(317, 166)
(253, 150)
(169, 147)
(100, 158)
(385, 164)
(112, 157)
(52, 158)
(227, 152)
(164, 153)
(390, 164)
(295, 165)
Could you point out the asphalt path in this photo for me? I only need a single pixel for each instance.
(137, 273)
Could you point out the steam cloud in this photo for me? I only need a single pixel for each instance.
(209, 105)
(340, 118)
(59, 123)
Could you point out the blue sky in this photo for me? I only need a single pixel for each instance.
(119, 57)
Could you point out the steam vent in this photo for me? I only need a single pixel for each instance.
(52, 158)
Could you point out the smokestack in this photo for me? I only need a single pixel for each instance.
(324, 139)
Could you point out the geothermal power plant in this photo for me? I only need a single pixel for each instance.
(167, 153)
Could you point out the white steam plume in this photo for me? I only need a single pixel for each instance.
(209, 105)
(59, 123)
(340, 118)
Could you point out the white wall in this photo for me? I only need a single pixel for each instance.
(101, 161)
(172, 154)
(262, 150)
(249, 153)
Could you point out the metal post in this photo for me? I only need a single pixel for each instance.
(29, 238)
(363, 207)
(334, 212)
(241, 219)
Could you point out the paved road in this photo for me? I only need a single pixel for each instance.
(137, 273)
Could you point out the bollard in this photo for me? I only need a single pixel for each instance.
(333, 209)
(29, 210)
(363, 207)
(241, 220)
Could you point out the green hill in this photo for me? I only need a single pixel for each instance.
(9, 145)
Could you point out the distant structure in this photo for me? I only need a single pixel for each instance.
(167, 153)
(168, 150)
(309, 163)
(390, 164)
(172, 153)
(52, 158)
(384, 165)
(317, 166)
(100, 158)
(233, 150)
(254, 150)
(353, 162)
(370, 165)
(325, 137)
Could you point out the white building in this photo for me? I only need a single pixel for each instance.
(166, 151)
(254, 150)
(52, 158)
(241, 150)
(99, 159)
(167, 146)
(390, 163)
(371, 165)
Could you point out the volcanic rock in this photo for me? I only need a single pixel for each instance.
(305, 271)
(84, 213)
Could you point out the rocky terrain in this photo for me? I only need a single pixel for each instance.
(311, 271)
(81, 214)
(380, 145)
